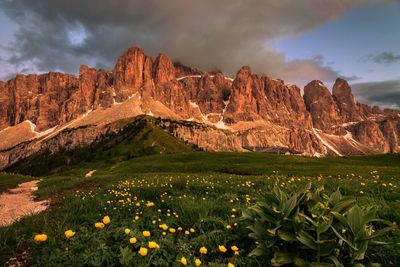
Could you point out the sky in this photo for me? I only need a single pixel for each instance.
(297, 41)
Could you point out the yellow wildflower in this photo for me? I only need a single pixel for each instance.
(228, 227)
(150, 204)
(234, 248)
(127, 231)
(183, 261)
(99, 225)
(192, 230)
(231, 265)
(203, 250)
(197, 262)
(164, 226)
(222, 248)
(180, 228)
(132, 240)
(69, 233)
(187, 232)
(143, 251)
(146, 233)
(40, 238)
(153, 244)
(106, 220)
(172, 230)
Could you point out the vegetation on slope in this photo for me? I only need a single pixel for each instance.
(143, 185)
(10, 180)
(140, 137)
(209, 203)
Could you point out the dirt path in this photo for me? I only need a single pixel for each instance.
(19, 202)
(89, 174)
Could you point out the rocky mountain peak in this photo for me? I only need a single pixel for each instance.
(163, 69)
(244, 72)
(250, 111)
(320, 103)
(129, 72)
(345, 100)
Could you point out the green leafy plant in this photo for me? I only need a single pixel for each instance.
(311, 228)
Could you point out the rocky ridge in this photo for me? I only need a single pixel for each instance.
(249, 110)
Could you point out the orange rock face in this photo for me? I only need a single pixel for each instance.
(38, 98)
(129, 72)
(319, 102)
(349, 111)
(247, 111)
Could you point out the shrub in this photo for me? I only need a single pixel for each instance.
(311, 228)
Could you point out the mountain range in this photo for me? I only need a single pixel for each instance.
(249, 112)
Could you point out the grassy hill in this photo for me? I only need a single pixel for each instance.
(222, 164)
(139, 137)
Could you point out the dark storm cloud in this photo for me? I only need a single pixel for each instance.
(384, 93)
(225, 34)
(382, 58)
(386, 58)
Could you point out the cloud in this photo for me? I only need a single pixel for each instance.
(382, 58)
(225, 34)
(386, 58)
(381, 93)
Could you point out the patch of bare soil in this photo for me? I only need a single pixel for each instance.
(19, 202)
(89, 174)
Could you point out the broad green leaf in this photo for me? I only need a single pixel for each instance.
(355, 219)
(344, 204)
(324, 226)
(306, 239)
(259, 251)
(343, 238)
(335, 197)
(290, 205)
(281, 258)
(286, 236)
(308, 219)
(340, 218)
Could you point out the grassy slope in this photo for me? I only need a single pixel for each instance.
(8, 180)
(253, 164)
(139, 137)
(191, 175)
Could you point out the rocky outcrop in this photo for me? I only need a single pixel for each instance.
(67, 139)
(96, 88)
(248, 111)
(38, 98)
(256, 97)
(211, 93)
(4, 105)
(182, 70)
(369, 133)
(323, 109)
(167, 89)
(129, 73)
(245, 91)
(163, 70)
(345, 101)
